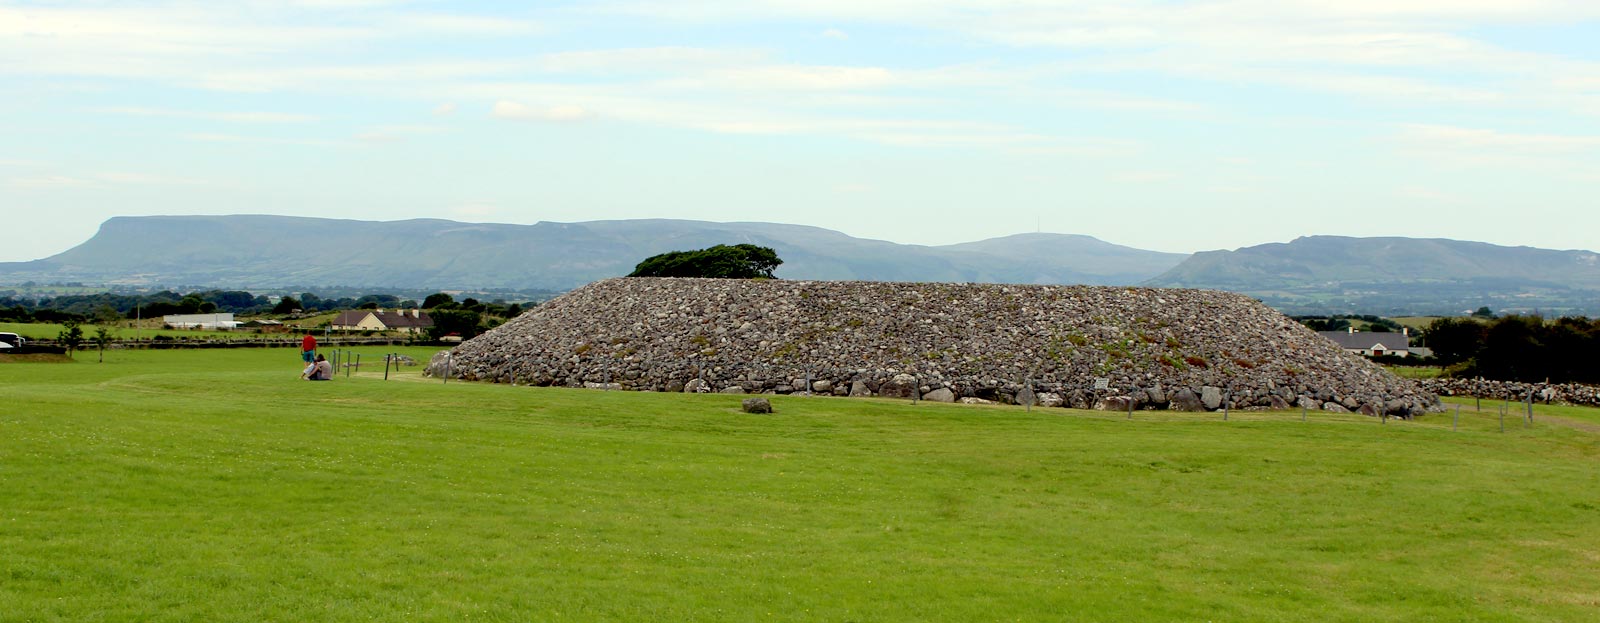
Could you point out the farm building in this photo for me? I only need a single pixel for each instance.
(1371, 344)
(403, 320)
(200, 321)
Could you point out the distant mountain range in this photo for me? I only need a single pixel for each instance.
(278, 251)
(1318, 274)
(1396, 276)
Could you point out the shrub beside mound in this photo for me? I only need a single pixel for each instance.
(981, 341)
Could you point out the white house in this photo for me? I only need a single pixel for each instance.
(403, 320)
(1372, 344)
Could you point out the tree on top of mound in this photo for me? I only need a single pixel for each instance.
(740, 261)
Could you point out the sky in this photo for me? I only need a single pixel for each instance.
(1166, 125)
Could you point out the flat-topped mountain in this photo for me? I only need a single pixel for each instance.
(268, 251)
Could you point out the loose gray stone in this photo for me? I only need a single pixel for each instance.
(756, 405)
(732, 389)
(1211, 397)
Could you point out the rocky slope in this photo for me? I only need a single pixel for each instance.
(1157, 348)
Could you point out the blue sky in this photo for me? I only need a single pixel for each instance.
(1163, 125)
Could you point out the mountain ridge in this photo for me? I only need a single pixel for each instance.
(268, 251)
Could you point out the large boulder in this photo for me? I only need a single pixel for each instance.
(859, 389)
(940, 395)
(756, 405)
(1185, 400)
(899, 386)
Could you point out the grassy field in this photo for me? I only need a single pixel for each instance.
(214, 485)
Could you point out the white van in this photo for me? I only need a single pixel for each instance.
(12, 340)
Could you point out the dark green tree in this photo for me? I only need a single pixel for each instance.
(286, 305)
(1454, 340)
(437, 299)
(71, 335)
(101, 339)
(1513, 350)
(462, 322)
(740, 261)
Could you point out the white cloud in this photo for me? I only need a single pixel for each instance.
(444, 110)
(805, 78)
(237, 117)
(212, 137)
(1451, 138)
(108, 178)
(49, 182)
(394, 133)
(656, 60)
(835, 33)
(520, 112)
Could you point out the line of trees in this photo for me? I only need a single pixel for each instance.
(83, 307)
(1518, 348)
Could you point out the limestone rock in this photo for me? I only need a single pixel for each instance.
(1211, 397)
(900, 386)
(1050, 399)
(1185, 400)
(756, 405)
(940, 395)
(859, 389)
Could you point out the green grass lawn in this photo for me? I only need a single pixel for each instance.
(215, 486)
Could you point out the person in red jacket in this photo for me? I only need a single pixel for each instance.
(308, 349)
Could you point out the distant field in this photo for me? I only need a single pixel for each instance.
(214, 485)
(1416, 372)
(49, 331)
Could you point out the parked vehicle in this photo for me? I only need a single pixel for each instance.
(12, 340)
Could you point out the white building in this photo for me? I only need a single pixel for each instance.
(200, 321)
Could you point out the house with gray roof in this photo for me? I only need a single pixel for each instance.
(1370, 343)
(402, 320)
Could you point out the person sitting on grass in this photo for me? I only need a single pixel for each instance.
(319, 370)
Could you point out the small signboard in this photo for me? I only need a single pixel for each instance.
(1102, 382)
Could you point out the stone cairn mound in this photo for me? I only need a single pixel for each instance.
(1155, 348)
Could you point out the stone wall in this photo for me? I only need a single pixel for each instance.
(1159, 348)
(1563, 393)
